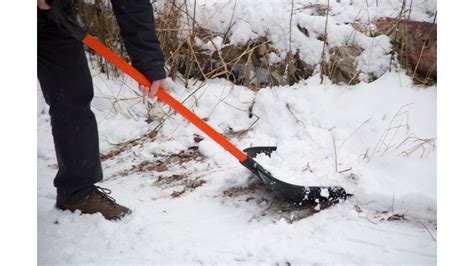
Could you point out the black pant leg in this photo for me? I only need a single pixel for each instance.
(66, 83)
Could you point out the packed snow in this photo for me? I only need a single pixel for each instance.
(377, 140)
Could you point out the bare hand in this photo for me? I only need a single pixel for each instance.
(43, 5)
(151, 91)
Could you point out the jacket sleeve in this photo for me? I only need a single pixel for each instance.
(137, 27)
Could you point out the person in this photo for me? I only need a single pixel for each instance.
(66, 84)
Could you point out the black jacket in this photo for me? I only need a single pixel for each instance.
(137, 26)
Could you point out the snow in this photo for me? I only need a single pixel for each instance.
(377, 140)
(302, 163)
(205, 226)
(271, 19)
(329, 111)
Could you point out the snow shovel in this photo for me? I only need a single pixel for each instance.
(294, 193)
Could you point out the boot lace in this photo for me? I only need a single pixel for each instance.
(104, 193)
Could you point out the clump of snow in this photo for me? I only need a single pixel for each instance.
(324, 192)
(212, 150)
(242, 32)
(302, 163)
(214, 44)
(374, 60)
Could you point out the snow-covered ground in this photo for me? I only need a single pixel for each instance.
(194, 203)
(207, 225)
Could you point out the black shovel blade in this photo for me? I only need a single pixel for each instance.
(294, 193)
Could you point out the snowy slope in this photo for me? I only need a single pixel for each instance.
(194, 203)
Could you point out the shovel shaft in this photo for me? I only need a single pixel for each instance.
(164, 96)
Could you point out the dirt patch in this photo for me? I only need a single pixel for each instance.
(121, 147)
(186, 182)
(342, 66)
(247, 190)
(159, 165)
(317, 9)
(271, 205)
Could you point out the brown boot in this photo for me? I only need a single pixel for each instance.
(98, 201)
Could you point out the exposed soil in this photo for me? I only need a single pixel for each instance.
(272, 205)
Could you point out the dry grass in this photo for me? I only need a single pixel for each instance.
(398, 137)
(245, 64)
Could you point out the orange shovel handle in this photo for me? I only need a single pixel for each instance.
(164, 96)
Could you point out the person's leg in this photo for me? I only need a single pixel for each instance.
(66, 83)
